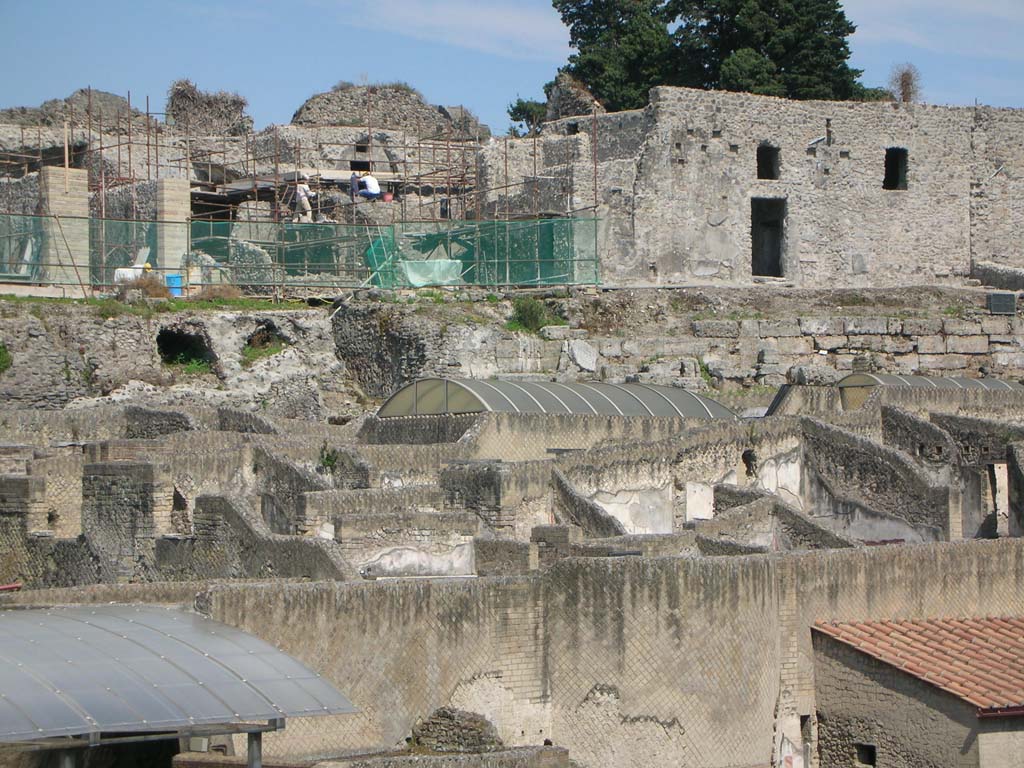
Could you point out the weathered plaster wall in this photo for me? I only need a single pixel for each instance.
(668, 661)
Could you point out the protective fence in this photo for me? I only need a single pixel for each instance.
(98, 254)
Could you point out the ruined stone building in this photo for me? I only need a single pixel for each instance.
(698, 187)
(655, 526)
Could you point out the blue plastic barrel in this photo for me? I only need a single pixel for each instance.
(173, 281)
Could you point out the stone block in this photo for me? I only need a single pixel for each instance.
(768, 355)
(877, 326)
(995, 326)
(830, 342)
(610, 347)
(894, 326)
(582, 354)
(967, 345)
(729, 329)
(800, 345)
(631, 348)
(779, 328)
(813, 375)
(943, 362)
(906, 363)
(871, 342)
(921, 327)
(561, 333)
(931, 345)
(1009, 359)
(821, 326)
(751, 329)
(954, 327)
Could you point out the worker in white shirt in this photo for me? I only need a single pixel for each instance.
(302, 195)
(370, 187)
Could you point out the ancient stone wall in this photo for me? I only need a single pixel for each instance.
(683, 210)
(233, 542)
(862, 701)
(871, 492)
(62, 474)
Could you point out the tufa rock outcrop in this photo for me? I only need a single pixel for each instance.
(568, 97)
(396, 106)
(455, 730)
(206, 113)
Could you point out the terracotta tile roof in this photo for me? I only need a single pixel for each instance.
(978, 660)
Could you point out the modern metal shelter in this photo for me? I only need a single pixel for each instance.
(436, 396)
(85, 676)
(855, 388)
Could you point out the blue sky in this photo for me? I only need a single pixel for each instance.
(480, 53)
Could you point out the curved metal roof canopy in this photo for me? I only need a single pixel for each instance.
(926, 382)
(437, 396)
(125, 669)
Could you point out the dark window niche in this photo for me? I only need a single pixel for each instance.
(769, 162)
(895, 168)
(866, 754)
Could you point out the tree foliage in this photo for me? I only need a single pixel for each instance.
(793, 48)
(905, 83)
(527, 116)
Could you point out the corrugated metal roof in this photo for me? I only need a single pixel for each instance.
(980, 661)
(88, 670)
(926, 382)
(435, 396)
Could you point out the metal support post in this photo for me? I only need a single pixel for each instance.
(254, 753)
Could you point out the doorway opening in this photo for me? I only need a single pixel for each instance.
(767, 235)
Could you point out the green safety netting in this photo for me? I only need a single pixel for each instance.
(281, 254)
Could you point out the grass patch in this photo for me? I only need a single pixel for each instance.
(251, 354)
(530, 315)
(191, 366)
(5, 358)
(436, 296)
(705, 372)
(327, 461)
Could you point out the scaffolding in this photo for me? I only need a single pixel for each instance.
(480, 226)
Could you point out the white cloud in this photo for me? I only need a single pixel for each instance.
(987, 29)
(515, 30)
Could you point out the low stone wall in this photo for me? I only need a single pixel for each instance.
(627, 661)
(230, 542)
(510, 498)
(871, 491)
(1003, 276)
(536, 757)
(407, 430)
(523, 757)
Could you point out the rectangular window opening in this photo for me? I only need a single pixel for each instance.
(866, 754)
(768, 162)
(362, 148)
(767, 236)
(572, 129)
(359, 165)
(895, 168)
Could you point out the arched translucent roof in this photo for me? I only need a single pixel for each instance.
(436, 396)
(125, 669)
(926, 382)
